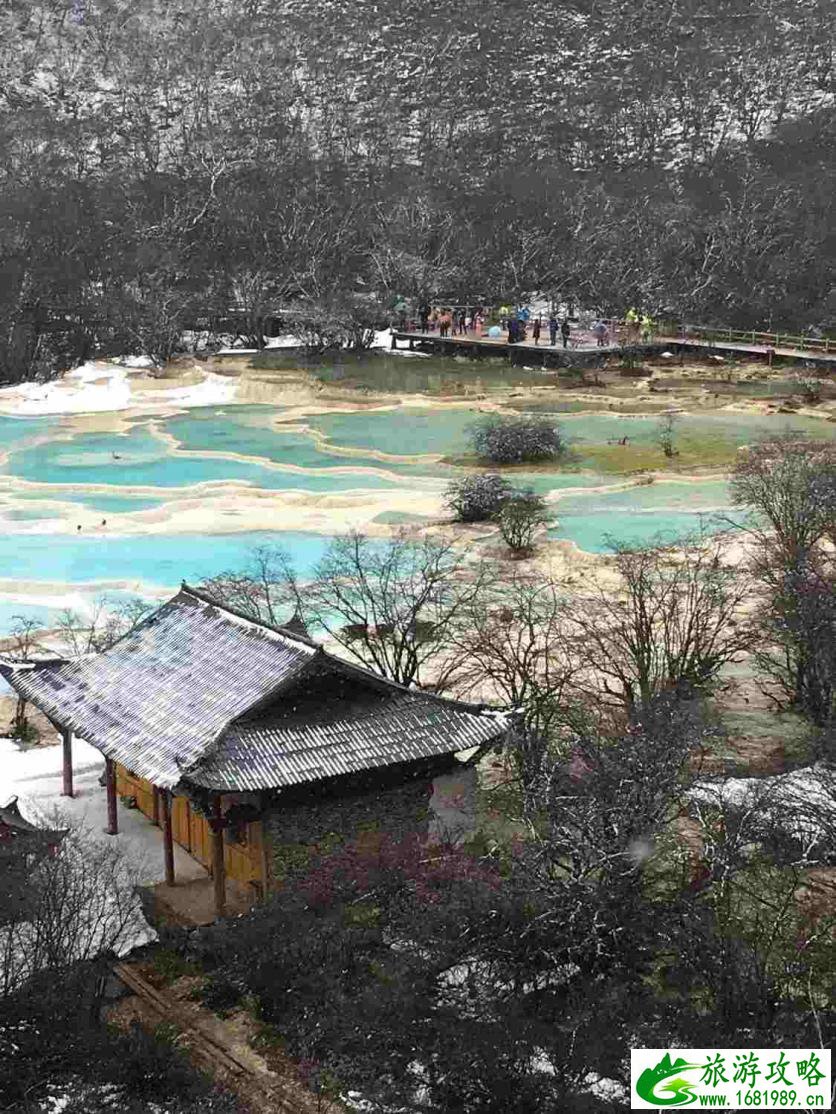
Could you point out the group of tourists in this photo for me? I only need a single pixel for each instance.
(455, 322)
(519, 324)
(638, 326)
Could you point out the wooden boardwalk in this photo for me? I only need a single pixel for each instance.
(582, 351)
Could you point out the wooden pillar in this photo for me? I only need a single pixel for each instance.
(264, 852)
(155, 799)
(218, 870)
(110, 784)
(168, 837)
(67, 740)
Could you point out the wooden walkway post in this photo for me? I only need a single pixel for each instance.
(168, 837)
(110, 784)
(67, 740)
(218, 870)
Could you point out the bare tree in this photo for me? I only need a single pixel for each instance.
(24, 642)
(78, 902)
(787, 482)
(513, 644)
(392, 605)
(798, 618)
(264, 589)
(675, 619)
(519, 517)
(607, 798)
(665, 433)
(109, 621)
(759, 843)
(789, 485)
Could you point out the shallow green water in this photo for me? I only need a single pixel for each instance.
(414, 430)
(649, 498)
(545, 482)
(402, 432)
(254, 431)
(40, 451)
(30, 514)
(12, 613)
(413, 375)
(93, 500)
(592, 532)
(16, 431)
(642, 514)
(733, 429)
(139, 459)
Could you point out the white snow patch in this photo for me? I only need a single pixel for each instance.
(215, 390)
(288, 341)
(91, 388)
(135, 361)
(35, 777)
(802, 802)
(604, 1088)
(97, 387)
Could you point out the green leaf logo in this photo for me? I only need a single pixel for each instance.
(656, 1085)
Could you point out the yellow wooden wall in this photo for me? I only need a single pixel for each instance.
(191, 830)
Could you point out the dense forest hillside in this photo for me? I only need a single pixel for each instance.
(165, 161)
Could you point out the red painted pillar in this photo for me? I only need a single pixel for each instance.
(168, 837)
(110, 784)
(67, 741)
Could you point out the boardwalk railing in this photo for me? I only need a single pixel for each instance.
(715, 335)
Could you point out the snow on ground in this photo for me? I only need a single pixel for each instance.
(802, 802)
(288, 341)
(101, 387)
(214, 390)
(382, 339)
(91, 388)
(35, 777)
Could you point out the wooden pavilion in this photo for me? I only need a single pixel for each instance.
(216, 726)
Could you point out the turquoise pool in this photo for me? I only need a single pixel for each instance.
(159, 561)
(642, 514)
(40, 450)
(401, 432)
(258, 431)
(140, 459)
(414, 430)
(94, 500)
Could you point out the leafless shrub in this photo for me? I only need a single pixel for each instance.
(676, 618)
(513, 644)
(68, 906)
(262, 590)
(391, 605)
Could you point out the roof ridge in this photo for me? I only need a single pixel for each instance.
(410, 702)
(212, 602)
(11, 666)
(445, 701)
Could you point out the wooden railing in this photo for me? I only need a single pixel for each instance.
(715, 335)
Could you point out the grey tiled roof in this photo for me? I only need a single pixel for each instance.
(290, 750)
(201, 693)
(156, 699)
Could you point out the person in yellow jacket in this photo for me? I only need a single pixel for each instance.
(647, 327)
